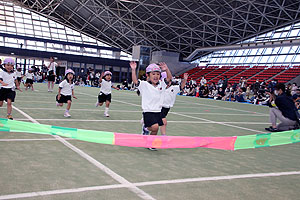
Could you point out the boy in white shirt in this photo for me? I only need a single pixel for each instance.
(66, 91)
(51, 74)
(105, 91)
(169, 100)
(8, 85)
(152, 92)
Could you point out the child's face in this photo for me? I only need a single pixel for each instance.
(70, 76)
(9, 67)
(108, 77)
(154, 77)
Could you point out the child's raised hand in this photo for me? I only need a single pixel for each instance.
(163, 66)
(132, 65)
(185, 76)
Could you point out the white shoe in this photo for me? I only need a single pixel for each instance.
(97, 104)
(67, 114)
(106, 114)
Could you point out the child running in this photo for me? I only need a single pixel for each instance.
(8, 85)
(105, 91)
(152, 92)
(19, 74)
(66, 91)
(169, 100)
(29, 79)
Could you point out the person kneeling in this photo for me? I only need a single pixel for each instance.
(285, 111)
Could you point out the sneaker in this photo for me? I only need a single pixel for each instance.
(67, 114)
(97, 104)
(10, 117)
(152, 149)
(106, 114)
(145, 131)
(271, 129)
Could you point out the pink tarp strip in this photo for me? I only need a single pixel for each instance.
(164, 142)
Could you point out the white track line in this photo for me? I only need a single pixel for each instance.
(138, 120)
(24, 140)
(99, 165)
(221, 107)
(162, 182)
(139, 111)
(221, 123)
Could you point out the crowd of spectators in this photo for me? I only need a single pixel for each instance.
(260, 92)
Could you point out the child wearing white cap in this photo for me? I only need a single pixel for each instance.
(29, 79)
(19, 74)
(152, 92)
(105, 91)
(8, 85)
(66, 91)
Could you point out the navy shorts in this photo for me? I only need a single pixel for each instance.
(104, 97)
(63, 98)
(29, 81)
(7, 93)
(51, 78)
(164, 112)
(151, 118)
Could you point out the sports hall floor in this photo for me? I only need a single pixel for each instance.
(39, 167)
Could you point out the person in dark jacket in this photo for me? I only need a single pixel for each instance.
(285, 111)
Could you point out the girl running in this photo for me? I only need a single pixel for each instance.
(66, 91)
(8, 85)
(105, 91)
(19, 74)
(152, 92)
(29, 79)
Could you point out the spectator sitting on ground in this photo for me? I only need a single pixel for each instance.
(241, 95)
(285, 111)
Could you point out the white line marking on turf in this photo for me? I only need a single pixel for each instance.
(138, 120)
(149, 183)
(221, 123)
(220, 107)
(105, 169)
(42, 139)
(139, 111)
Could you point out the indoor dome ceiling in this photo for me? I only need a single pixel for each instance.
(173, 25)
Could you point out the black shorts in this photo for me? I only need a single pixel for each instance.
(164, 112)
(51, 78)
(29, 81)
(7, 93)
(63, 98)
(104, 97)
(151, 118)
(19, 79)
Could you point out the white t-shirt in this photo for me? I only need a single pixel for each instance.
(18, 74)
(66, 88)
(170, 96)
(8, 78)
(105, 87)
(52, 67)
(152, 96)
(29, 75)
